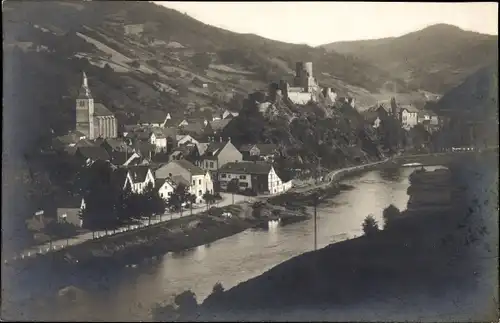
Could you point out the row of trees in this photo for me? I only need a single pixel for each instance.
(390, 215)
(108, 205)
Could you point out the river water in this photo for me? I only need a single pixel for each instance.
(129, 293)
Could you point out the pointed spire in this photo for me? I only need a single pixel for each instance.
(85, 81)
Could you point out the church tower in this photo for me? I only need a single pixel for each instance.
(85, 110)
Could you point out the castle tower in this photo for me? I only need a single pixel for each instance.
(85, 110)
(304, 76)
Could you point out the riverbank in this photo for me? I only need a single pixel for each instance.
(431, 257)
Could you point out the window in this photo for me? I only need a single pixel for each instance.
(200, 193)
(228, 175)
(243, 176)
(169, 193)
(243, 184)
(82, 103)
(211, 164)
(223, 175)
(194, 182)
(199, 182)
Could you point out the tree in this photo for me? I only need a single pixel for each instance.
(390, 215)
(100, 197)
(154, 204)
(178, 197)
(370, 225)
(208, 198)
(191, 199)
(232, 187)
(201, 60)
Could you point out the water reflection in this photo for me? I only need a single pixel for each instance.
(391, 174)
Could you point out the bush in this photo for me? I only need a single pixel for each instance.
(370, 225)
(390, 215)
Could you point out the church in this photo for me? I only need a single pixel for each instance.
(93, 120)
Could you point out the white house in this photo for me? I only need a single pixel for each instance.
(259, 177)
(409, 116)
(139, 177)
(165, 187)
(159, 139)
(198, 180)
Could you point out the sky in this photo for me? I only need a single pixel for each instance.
(317, 23)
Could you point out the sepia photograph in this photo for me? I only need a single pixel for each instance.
(189, 161)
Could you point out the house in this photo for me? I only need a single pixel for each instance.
(154, 119)
(229, 114)
(218, 154)
(408, 116)
(194, 128)
(259, 177)
(218, 126)
(184, 139)
(90, 154)
(265, 152)
(199, 180)
(188, 151)
(428, 117)
(158, 139)
(144, 149)
(139, 177)
(69, 209)
(134, 160)
(165, 186)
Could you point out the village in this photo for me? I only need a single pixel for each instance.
(168, 155)
(165, 152)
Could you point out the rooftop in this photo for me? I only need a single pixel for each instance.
(100, 110)
(254, 168)
(190, 167)
(138, 173)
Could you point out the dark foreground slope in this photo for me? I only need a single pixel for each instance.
(433, 263)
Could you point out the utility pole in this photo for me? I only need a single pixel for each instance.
(315, 226)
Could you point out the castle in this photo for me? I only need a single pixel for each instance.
(93, 120)
(305, 86)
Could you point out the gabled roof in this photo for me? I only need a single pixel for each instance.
(138, 174)
(117, 144)
(174, 122)
(202, 147)
(190, 167)
(246, 147)
(158, 132)
(195, 127)
(214, 148)
(252, 168)
(178, 179)
(93, 153)
(267, 149)
(409, 108)
(219, 125)
(153, 116)
(100, 110)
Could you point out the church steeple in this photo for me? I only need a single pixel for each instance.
(84, 89)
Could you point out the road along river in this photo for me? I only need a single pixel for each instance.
(129, 293)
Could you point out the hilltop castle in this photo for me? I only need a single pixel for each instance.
(93, 120)
(304, 87)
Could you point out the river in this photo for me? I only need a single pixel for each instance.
(129, 293)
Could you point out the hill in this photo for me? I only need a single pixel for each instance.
(140, 56)
(435, 59)
(472, 107)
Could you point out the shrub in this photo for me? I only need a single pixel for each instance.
(390, 215)
(370, 225)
